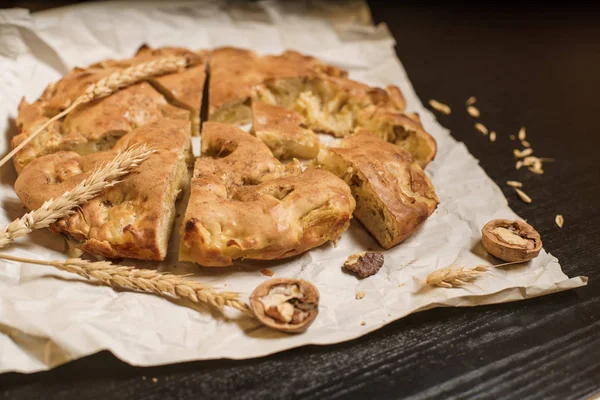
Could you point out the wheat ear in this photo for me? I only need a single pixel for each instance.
(107, 85)
(144, 280)
(102, 177)
(455, 276)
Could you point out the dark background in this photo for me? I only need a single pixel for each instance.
(527, 65)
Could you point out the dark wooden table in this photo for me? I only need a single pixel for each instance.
(532, 67)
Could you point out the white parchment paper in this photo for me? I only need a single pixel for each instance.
(48, 317)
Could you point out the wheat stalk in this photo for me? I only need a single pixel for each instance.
(455, 276)
(108, 85)
(102, 177)
(144, 280)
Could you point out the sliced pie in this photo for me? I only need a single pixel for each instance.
(282, 130)
(393, 195)
(133, 219)
(244, 204)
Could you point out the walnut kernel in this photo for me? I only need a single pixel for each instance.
(288, 305)
(364, 264)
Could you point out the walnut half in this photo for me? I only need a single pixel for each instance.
(288, 305)
(511, 241)
(364, 264)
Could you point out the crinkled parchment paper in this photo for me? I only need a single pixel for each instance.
(49, 317)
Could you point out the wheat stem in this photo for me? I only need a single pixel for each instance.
(54, 209)
(144, 280)
(108, 85)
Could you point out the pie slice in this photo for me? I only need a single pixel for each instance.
(340, 107)
(244, 204)
(283, 132)
(237, 74)
(393, 195)
(132, 219)
(184, 88)
(97, 125)
(91, 127)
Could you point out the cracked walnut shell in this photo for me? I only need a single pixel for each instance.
(285, 304)
(511, 241)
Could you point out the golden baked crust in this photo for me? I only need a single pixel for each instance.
(283, 132)
(244, 204)
(97, 125)
(132, 219)
(393, 194)
(94, 126)
(236, 75)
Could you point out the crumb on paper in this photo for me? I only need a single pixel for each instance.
(401, 284)
(363, 323)
(267, 272)
(360, 295)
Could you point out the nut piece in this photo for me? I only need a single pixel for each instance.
(512, 241)
(285, 304)
(364, 264)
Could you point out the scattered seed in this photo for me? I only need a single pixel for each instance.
(144, 378)
(519, 164)
(522, 133)
(512, 137)
(481, 128)
(473, 111)
(515, 184)
(441, 107)
(492, 136)
(401, 284)
(537, 171)
(363, 323)
(559, 220)
(525, 143)
(522, 153)
(532, 160)
(471, 100)
(360, 295)
(267, 272)
(154, 380)
(523, 196)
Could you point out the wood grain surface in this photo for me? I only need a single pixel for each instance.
(526, 66)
